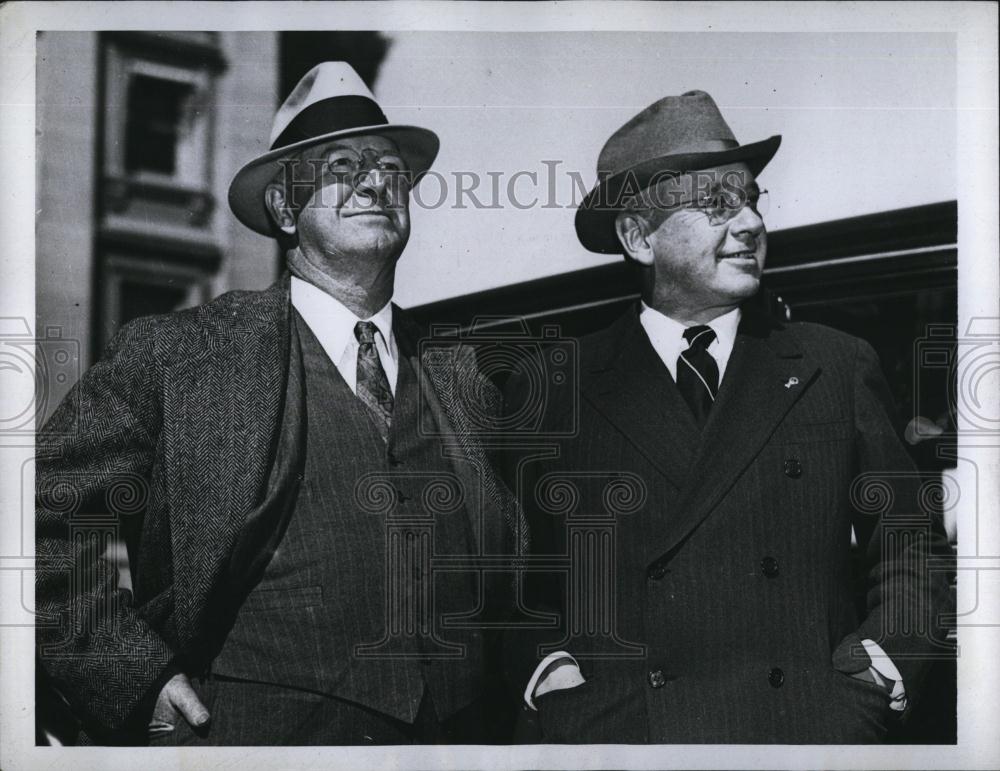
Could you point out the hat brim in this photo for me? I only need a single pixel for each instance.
(595, 219)
(418, 146)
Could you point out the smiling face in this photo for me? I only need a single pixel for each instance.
(700, 266)
(350, 200)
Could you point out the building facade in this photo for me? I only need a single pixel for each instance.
(138, 135)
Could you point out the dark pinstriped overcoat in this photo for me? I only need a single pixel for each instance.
(714, 602)
(174, 433)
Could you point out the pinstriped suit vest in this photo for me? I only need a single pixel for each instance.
(349, 605)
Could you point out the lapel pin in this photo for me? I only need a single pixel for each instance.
(792, 381)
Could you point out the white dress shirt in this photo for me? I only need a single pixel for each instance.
(667, 337)
(333, 324)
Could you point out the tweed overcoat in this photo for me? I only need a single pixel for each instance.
(167, 443)
(710, 594)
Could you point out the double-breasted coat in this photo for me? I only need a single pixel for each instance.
(706, 578)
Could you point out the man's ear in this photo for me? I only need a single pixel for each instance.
(279, 209)
(631, 230)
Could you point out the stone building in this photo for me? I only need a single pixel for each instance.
(138, 136)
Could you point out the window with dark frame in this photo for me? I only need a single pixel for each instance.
(156, 111)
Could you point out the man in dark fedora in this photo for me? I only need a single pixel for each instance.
(300, 466)
(717, 604)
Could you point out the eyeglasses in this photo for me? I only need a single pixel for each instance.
(719, 207)
(350, 166)
(722, 206)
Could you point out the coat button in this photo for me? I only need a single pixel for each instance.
(793, 469)
(657, 679)
(769, 567)
(776, 677)
(656, 571)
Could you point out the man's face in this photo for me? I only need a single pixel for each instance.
(706, 260)
(351, 198)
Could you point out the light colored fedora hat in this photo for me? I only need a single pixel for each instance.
(674, 135)
(330, 101)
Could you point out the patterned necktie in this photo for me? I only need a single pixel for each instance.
(697, 372)
(373, 385)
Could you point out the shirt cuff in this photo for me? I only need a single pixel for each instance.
(882, 664)
(529, 692)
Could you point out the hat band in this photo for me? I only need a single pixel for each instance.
(337, 113)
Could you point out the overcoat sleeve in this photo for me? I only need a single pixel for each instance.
(898, 534)
(94, 461)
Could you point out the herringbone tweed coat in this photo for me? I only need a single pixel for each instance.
(173, 433)
(712, 595)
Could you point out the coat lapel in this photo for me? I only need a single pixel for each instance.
(633, 389)
(226, 401)
(766, 375)
(443, 372)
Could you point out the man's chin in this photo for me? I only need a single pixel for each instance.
(370, 231)
(743, 289)
(379, 246)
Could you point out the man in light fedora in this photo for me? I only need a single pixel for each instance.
(722, 608)
(298, 467)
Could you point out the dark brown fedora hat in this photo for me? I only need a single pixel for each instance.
(674, 135)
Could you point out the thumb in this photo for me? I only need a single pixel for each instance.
(186, 701)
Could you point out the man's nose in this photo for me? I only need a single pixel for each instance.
(746, 224)
(371, 184)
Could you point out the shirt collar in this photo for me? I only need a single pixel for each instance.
(663, 331)
(724, 326)
(332, 321)
(667, 335)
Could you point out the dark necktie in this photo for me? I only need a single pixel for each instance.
(373, 385)
(697, 372)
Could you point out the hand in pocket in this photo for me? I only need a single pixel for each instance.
(177, 701)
